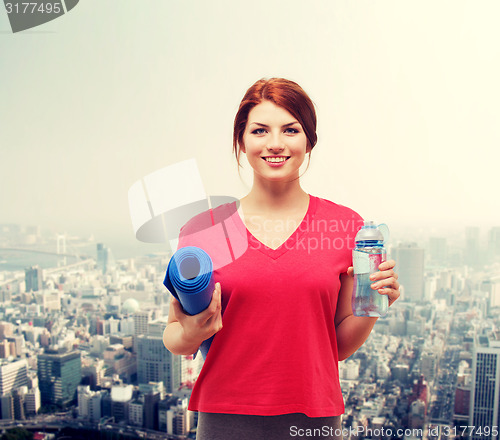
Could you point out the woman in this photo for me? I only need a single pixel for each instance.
(272, 369)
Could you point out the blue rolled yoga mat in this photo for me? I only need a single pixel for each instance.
(189, 278)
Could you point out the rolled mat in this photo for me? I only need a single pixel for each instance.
(189, 279)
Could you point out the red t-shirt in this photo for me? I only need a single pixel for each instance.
(277, 350)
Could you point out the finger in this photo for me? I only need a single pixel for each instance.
(382, 274)
(393, 296)
(213, 307)
(350, 271)
(219, 322)
(386, 265)
(386, 291)
(220, 293)
(177, 306)
(385, 283)
(214, 323)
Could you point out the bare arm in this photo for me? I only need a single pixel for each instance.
(185, 333)
(352, 331)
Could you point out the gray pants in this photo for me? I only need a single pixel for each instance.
(215, 426)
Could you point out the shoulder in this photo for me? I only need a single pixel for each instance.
(338, 217)
(328, 208)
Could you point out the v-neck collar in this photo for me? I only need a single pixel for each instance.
(289, 243)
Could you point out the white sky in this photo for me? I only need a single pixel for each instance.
(407, 96)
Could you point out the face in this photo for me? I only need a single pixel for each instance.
(274, 142)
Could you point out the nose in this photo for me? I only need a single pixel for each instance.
(275, 143)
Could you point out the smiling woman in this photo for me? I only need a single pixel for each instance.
(281, 312)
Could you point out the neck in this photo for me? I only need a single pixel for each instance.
(270, 196)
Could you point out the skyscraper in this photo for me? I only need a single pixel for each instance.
(141, 321)
(485, 396)
(33, 278)
(494, 242)
(472, 255)
(12, 376)
(59, 374)
(154, 362)
(438, 250)
(410, 267)
(105, 259)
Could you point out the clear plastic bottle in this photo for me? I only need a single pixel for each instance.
(367, 255)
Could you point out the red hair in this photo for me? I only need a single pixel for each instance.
(283, 93)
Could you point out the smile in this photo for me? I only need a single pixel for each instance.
(276, 159)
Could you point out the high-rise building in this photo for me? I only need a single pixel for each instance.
(33, 278)
(121, 361)
(4, 349)
(417, 414)
(494, 242)
(410, 260)
(179, 419)
(472, 255)
(492, 288)
(59, 374)
(154, 362)
(136, 413)
(485, 396)
(7, 407)
(121, 396)
(105, 259)
(18, 400)
(462, 398)
(12, 375)
(6, 330)
(438, 250)
(32, 400)
(94, 370)
(49, 300)
(428, 364)
(141, 321)
(89, 403)
(163, 408)
(151, 401)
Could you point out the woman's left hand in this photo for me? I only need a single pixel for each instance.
(385, 281)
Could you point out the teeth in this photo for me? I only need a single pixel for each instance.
(275, 159)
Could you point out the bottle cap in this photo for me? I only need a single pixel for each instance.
(370, 232)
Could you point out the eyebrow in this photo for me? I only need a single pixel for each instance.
(267, 126)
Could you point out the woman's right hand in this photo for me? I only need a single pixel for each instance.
(199, 327)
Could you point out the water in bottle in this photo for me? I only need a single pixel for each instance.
(367, 255)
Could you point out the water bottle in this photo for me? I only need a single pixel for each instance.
(367, 255)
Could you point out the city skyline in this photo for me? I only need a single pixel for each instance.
(122, 249)
(415, 373)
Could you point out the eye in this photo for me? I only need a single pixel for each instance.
(259, 131)
(290, 130)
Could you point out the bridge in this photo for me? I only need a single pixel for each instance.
(37, 251)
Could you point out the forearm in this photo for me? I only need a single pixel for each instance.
(175, 340)
(352, 332)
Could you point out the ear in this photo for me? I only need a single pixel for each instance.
(242, 147)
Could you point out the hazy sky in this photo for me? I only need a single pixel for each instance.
(407, 97)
